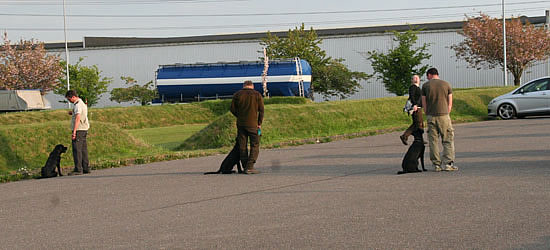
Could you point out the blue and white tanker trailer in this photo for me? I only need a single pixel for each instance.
(200, 81)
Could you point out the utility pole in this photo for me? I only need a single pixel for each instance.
(66, 47)
(547, 27)
(504, 44)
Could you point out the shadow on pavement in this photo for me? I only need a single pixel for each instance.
(543, 243)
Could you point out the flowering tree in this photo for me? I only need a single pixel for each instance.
(27, 66)
(482, 47)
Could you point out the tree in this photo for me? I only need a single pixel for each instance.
(330, 77)
(335, 79)
(26, 65)
(482, 46)
(134, 93)
(86, 80)
(397, 67)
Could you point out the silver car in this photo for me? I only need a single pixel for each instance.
(532, 98)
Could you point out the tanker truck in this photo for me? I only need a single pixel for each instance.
(202, 81)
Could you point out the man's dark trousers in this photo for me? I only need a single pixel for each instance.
(80, 152)
(243, 134)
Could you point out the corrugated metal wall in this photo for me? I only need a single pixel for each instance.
(141, 62)
(457, 72)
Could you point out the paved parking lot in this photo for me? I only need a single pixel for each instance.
(343, 194)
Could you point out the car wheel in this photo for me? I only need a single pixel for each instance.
(506, 111)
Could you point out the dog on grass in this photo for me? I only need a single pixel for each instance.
(414, 154)
(232, 159)
(53, 161)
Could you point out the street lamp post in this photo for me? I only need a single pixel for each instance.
(66, 47)
(504, 44)
(547, 27)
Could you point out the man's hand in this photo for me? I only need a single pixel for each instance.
(415, 108)
(70, 112)
(74, 136)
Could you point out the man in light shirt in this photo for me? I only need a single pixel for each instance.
(79, 128)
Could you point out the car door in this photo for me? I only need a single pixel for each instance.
(546, 95)
(533, 97)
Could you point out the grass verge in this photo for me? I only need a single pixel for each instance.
(27, 147)
(168, 138)
(137, 117)
(292, 124)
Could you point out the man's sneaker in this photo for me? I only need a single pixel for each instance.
(437, 168)
(451, 167)
(74, 173)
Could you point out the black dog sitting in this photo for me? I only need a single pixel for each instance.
(415, 152)
(232, 159)
(53, 161)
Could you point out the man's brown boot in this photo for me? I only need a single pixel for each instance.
(251, 171)
(74, 173)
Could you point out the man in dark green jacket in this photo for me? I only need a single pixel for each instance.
(248, 107)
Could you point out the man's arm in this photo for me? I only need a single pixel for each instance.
(76, 123)
(260, 110)
(412, 94)
(234, 106)
(450, 102)
(424, 104)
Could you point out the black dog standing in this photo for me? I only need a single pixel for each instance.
(53, 161)
(415, 153)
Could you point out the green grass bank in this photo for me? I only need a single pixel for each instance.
(28, 146)
(298, 124)
(136, 135)
(137, 117)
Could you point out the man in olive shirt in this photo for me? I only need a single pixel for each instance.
(437, 100)
(248, 107)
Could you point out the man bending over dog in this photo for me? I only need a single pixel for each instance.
(248, 106)
(79, 127)
(415, 96)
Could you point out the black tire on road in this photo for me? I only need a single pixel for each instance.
(506, 111)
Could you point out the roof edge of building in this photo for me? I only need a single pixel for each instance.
(98, 42)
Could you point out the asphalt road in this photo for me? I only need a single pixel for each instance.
(343, 194)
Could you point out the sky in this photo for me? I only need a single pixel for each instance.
(43, 20)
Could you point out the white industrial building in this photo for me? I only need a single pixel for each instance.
(140, 57)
